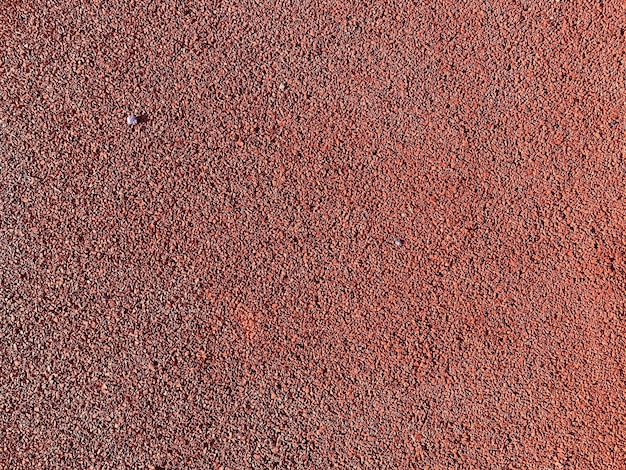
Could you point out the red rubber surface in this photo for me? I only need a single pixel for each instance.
(220, 285)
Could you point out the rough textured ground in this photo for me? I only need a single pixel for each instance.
(220, 285)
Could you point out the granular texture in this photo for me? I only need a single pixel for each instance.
(344, 235)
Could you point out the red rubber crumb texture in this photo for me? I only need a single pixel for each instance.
(364, 235)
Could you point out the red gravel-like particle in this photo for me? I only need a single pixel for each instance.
(225, 288)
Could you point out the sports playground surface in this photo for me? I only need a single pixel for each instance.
(352, 235)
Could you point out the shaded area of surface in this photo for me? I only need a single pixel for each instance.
(219, 286)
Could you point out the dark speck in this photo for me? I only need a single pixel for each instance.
(613, 122)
